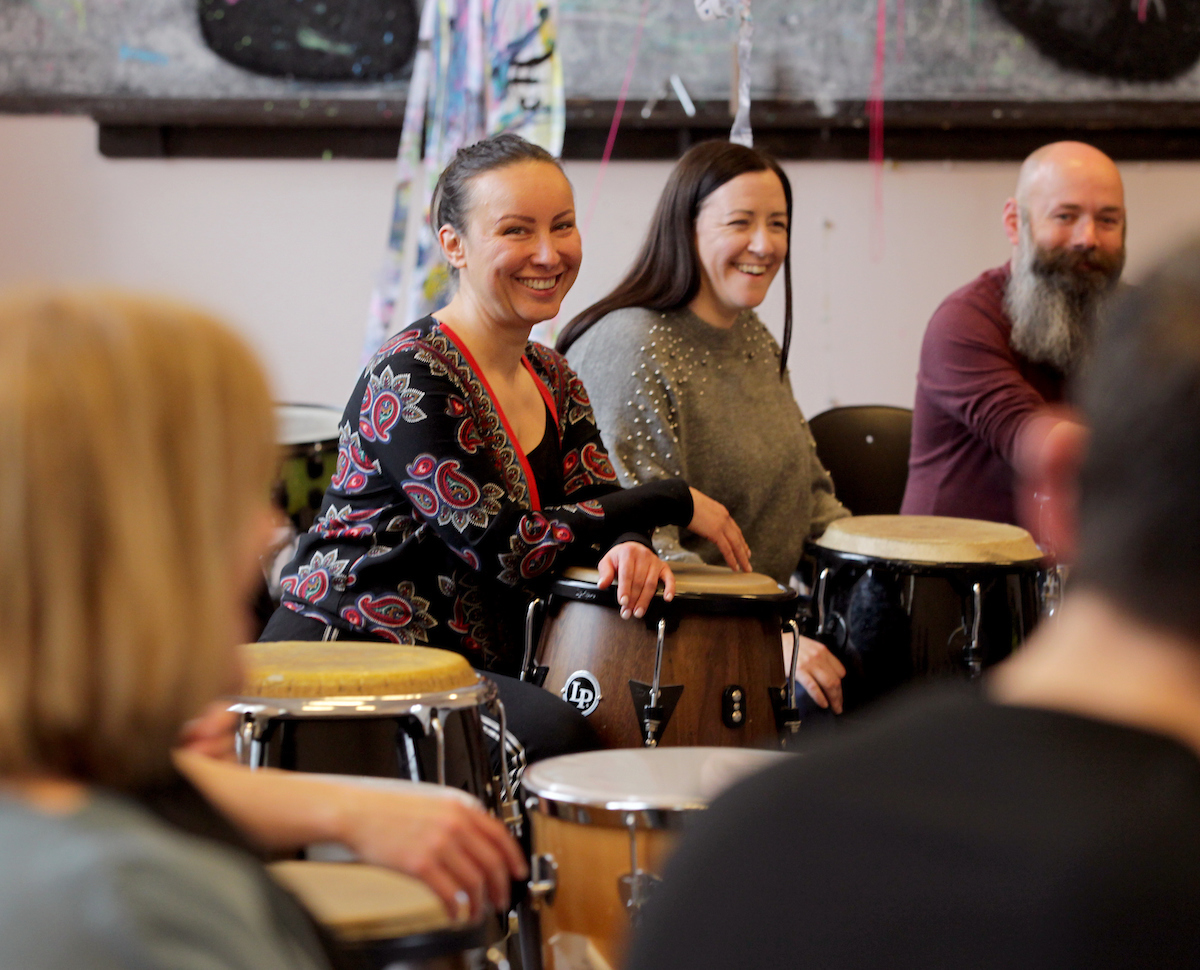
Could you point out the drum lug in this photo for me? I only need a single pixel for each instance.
(653, 718)
(533, 629)
(543, 879)
(637, 885)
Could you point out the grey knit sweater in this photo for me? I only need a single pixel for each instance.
(675, 396)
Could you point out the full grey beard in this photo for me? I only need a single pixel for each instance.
(1053, 311)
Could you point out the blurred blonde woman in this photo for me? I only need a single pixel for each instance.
(137, 446)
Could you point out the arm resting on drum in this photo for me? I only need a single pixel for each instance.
(451, 847)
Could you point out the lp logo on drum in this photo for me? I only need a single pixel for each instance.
(582, 691)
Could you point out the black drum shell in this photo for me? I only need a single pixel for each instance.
(894, 621)
(393, 746)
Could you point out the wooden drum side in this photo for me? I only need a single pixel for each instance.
(587, 902)
(705, 654)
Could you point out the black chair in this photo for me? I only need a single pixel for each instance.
(865, 447)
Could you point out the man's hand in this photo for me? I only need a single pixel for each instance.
(818, 671)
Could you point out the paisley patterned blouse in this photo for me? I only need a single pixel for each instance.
(433, 530)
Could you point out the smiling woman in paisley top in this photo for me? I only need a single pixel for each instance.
(470, 469)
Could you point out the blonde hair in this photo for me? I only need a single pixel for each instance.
(136, 443)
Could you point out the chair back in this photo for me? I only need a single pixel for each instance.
(865, 447)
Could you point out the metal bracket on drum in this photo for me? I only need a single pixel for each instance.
(787, 713)
(509, 809)
(530, 671)
(543, 879)
(973, 654)
(251, 737)
(637, 885)
(834, 639)
(653, 718)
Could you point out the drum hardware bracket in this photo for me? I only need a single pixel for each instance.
(251, 738)
(543, 879)
(783, 700)
(637, 885)
(533, 629)
(974, 654)
(509, 808)
(654, 717)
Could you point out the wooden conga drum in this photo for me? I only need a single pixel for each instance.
(356, 708)
(704, 669)
(603, 824)
(902, 597)
(388, 920)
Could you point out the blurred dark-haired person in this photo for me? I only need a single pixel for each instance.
(1046, 819)
(999, 349)
(687, 383)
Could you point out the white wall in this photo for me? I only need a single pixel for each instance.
(287, 250)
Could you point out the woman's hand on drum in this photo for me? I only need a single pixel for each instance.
(461, 853)
(212, 732)
(638, 571)
(820, 673)
(712, 520)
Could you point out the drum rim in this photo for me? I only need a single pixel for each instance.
(616, 813)
(382, 705)
(1031, 565)
(425, 943)
(648, 812)
(695, 602)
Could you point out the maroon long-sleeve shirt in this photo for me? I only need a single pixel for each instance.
(974, 394)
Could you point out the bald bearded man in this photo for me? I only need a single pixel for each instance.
(1003, 346)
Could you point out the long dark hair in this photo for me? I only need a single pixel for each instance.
(666, 273)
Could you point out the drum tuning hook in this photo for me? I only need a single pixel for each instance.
(543, 878)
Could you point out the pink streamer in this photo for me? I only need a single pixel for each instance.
(1143, 5)
(875, 119)
(616, 122)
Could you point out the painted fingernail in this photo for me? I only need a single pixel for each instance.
(463, 902)
(624, 614)
(639, 612)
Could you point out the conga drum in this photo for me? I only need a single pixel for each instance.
(388, 920)
(357, 708)
(704, 669)
(308, 437)
(900, 597)
(603, 824)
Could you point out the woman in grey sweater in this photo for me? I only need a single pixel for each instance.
(685, 380)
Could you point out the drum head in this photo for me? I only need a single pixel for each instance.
(345, 668)
(700, 587)
(359, 902)
(633, 779)
(306, 424)
(930, 539)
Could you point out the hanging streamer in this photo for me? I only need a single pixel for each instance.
(875, 121)
(482, 67)
(617, 112)
(712, 10)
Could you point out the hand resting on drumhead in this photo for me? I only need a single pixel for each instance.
(449, 846)
(712, 520)
(638, 571)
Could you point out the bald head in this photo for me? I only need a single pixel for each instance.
(1067, 227)
(1068, 167)
(1069, 198)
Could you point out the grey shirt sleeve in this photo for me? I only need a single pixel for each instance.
(634, 404)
